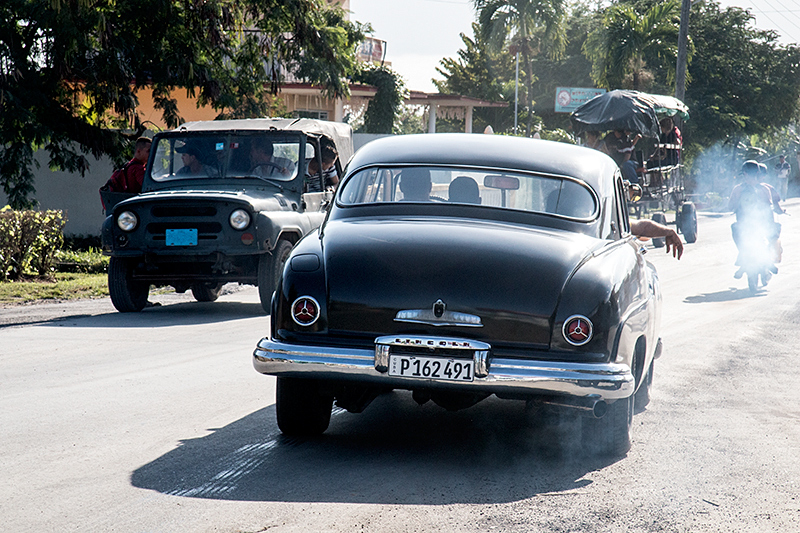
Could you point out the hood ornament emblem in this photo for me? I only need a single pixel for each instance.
(438, 315)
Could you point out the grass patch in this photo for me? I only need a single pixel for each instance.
(62, 286)
(89, 261)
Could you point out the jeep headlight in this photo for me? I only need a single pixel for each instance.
(239, 219)
(127, 221)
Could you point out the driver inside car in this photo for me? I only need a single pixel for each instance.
(415, 184)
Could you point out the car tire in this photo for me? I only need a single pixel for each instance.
(642, 397)
(270, 270)
(611, 434)
(126, 294)
(659, 242)
(689, 222)
(206, 292)
(302, 409)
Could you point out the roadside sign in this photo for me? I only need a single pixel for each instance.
(568, 99)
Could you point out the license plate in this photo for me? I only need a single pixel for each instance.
(181, 237)
(416, 366)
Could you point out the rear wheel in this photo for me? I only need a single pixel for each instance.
(302, 409)
(270, 270)
(206, 292)
(689, 222)
(659, 242)
(611, 434)
(127, 295)
(642, 397)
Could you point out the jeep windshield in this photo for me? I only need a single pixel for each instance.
(217, 155)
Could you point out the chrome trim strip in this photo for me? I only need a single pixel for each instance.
(448, 318)
(610, 381)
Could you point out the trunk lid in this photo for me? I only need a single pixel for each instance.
(510, 277)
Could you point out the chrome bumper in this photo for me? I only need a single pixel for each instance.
(516, 377)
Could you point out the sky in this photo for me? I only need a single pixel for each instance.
(420, 33)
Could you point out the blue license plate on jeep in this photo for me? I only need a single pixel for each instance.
(181, 237)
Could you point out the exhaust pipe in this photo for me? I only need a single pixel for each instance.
(592, 406)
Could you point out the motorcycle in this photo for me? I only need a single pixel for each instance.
(759, 251)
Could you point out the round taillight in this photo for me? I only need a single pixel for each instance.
(305, 311)
(577, 330)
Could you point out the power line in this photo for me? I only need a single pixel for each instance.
(778, 26)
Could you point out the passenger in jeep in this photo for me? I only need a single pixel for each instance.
(263, 164)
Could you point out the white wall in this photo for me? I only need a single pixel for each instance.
(360, 139)
(77, 196)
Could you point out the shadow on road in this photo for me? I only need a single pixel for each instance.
(395, 452)
(729, 295)
(173, 314)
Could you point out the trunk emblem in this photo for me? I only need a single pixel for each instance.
(438, 308)
(577, 330)
(305, 311)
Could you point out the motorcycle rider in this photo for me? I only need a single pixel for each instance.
(754, 204)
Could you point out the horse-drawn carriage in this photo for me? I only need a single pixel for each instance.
(659, 164)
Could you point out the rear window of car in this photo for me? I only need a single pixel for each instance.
(197, 156)
(468, 186)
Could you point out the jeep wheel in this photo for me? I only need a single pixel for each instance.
(611, 434)
(270, 270)
(127, 295)
(302, 410)
(206, 292)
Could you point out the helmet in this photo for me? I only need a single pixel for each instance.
(751, 167)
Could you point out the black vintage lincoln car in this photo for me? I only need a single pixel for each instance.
(459, 266)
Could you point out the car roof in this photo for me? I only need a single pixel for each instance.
(493, 151)
(339, 132)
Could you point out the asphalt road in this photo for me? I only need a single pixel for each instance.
(157, 422)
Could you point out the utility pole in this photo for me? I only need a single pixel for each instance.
(683, 45)
(516, 93)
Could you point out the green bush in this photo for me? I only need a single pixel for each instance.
(29, 241)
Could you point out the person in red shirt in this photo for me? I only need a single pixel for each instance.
(130, 177)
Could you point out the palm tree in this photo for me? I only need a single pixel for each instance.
(618, 48)
(529, 27)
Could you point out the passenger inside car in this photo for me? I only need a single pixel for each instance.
(263, 164)
(464, 190)
(192, 158)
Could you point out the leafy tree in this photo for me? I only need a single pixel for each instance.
(572, 69)
(70, 70)
(742, 81)
(515, 22)
(384, 109)
(481, 73)
(626, 40)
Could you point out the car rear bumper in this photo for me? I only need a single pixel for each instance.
(503, 376)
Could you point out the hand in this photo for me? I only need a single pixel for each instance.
(672, 240)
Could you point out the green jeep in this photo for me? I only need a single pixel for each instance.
(222, 201)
